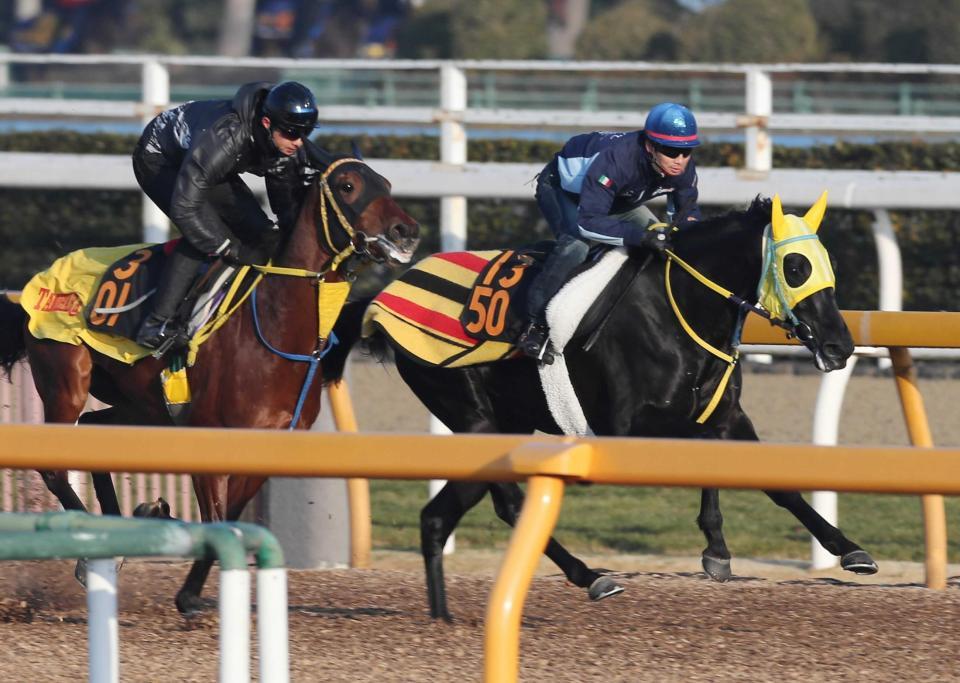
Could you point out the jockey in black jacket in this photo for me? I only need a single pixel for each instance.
(189, 160)
(594, 190)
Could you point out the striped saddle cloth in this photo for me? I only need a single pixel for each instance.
(458, 308)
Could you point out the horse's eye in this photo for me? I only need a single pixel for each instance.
(346, 187)
(796, 269)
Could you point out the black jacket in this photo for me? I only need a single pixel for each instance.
(211, 142)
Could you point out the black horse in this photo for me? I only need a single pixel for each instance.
(637, 372)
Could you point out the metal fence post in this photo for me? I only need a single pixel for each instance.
(102, 639)
(156, 97)
(759, 147)
(453, 210)
(453, 151)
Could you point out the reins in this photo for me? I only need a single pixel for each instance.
(742, 305)
(330, 295)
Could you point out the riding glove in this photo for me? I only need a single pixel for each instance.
(237, 254)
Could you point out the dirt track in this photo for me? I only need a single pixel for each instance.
(371, 626)
(775, 622)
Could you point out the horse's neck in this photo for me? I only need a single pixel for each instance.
(728, 254)
(302, 248)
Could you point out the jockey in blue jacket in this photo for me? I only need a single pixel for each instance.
(594, 190)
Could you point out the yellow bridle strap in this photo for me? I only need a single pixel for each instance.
(223, 314)
(324, 220)
(703, 279)
(731, 360)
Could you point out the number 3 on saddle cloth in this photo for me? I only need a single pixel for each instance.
(95, 296)
(459, 308)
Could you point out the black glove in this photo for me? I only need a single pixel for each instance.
(237, 254)
(656, 240)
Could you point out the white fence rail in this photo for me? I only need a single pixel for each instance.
(454, 179)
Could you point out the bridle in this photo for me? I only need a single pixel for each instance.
(359, 244)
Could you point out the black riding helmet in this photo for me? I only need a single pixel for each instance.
(291, 108)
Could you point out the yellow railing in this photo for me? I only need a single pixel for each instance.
(545, 462)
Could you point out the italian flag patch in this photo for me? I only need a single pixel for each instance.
(605, 181)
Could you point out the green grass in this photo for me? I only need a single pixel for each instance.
(622, 519)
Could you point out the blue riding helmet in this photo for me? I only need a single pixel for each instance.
(671, 125)
(291, 107)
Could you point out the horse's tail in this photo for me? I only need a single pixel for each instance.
(347, 329)
(13, 346)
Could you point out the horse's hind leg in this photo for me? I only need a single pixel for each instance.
(508, 500)
(102, 482)
(438, 519)
(61, 373)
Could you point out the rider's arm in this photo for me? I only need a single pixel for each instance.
(604, 179)
(285, 190)
(211, 159)
(686, 195)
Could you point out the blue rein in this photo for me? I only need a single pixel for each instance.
(314, 359)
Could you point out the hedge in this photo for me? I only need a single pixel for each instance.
(36, 226)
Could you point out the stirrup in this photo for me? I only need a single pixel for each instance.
(535, 342)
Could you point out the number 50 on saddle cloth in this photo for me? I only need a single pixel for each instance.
(456, 309)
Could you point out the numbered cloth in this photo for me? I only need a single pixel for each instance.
(104, 284)
(456, 309)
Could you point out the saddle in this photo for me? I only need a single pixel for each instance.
(99, 296)
(461, 308)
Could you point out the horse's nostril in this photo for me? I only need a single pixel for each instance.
(836, 351)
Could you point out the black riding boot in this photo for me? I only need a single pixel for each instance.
(567, 255)
(162, 325)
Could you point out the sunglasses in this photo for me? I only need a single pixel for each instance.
(673, 152)
(291, 134)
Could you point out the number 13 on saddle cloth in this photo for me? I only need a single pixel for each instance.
(456, 309)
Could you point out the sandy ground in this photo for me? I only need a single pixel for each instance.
(775, 621)
(371, 625)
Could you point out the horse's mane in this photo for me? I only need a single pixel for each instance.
(705, 234)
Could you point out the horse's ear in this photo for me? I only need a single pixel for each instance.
(815, 214)
(777, 222)
(357, 154)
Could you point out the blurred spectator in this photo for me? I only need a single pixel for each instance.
(66, 26)
(328, 28)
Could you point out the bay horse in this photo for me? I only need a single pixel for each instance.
(637, 371)
(237, 381)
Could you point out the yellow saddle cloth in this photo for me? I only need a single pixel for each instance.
(55, 301)
(454, 309)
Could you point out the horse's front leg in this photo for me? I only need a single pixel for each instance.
(715, 557)
(212, 500)
(508, 501)
(853, 558)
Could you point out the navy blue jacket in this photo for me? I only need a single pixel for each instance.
(613, 173)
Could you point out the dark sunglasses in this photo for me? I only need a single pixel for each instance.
(673, 152)
(290, 133)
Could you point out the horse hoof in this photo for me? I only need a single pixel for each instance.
(603, 587)
(189, 605)
(859, 562)
(80, 572)
(158, 508)
(717, 568)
